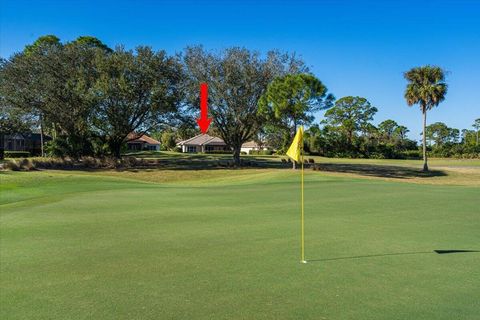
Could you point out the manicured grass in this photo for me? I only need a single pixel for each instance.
(224, 244)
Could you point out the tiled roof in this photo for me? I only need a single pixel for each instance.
(250, 144)
(203, 139)
(134, 137)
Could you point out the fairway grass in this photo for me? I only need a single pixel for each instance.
(224, 244)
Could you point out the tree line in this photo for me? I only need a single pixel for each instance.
(89, 97)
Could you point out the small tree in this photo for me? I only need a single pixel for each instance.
(168, 140)
(426, 87)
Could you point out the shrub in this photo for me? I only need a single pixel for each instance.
(11, 165)
(26, 164)
(129, 161)
(411, 154)
(311, 160)
(261, 152)
(16, 154)
(219, 152)
(376, 155)
(90, 162)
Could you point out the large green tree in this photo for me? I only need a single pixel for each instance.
(291, 100)
(440, 134)
(236, 78)
(55, 80)
(22, 79)
(350, 115)
(387, 129)
(135, 92)
(426, 87)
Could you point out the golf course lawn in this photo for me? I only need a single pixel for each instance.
(225, 245)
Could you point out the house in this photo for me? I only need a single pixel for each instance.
(252, 146)
(203, 143)
(206, 143)
(30, 142)
(137, 142)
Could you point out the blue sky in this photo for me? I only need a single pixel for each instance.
(354, 47)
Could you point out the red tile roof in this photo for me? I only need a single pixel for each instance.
(137, 138)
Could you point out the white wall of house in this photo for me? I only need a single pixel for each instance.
(248, 149)
(192, 148)
(153, 147)
(188, 148)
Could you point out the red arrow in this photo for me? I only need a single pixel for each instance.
(204, 121)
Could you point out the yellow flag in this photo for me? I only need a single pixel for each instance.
(296, 147)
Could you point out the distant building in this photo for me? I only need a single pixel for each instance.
(206, 143)
(137, 142)
(203, 143)
(252, 146)
(30, 142)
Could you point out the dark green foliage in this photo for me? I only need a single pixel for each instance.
(219, 152)
(261, 152)
(167, 140)
(16, 154)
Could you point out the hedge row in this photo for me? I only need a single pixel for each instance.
(261, 152)
(16, 154)
(82, 163)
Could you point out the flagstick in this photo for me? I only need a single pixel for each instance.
(303, 215)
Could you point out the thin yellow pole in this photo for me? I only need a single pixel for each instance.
(303, 215)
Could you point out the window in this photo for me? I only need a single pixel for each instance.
(191, 149)
(209, 148)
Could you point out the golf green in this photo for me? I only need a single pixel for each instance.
(87, 246)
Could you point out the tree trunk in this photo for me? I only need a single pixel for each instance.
(116, 148)
(424, 138)
(236, 156)
(41, 136)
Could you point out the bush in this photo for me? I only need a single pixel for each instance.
(261, 152)
(26, 164)
(16, 154)
(410, 154)
(11, 165)
(376, 155)
(219, 152)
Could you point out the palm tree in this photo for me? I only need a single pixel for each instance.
(427, 88)
(476, 126)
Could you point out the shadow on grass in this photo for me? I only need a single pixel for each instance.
(395, 254)
(383, 171)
